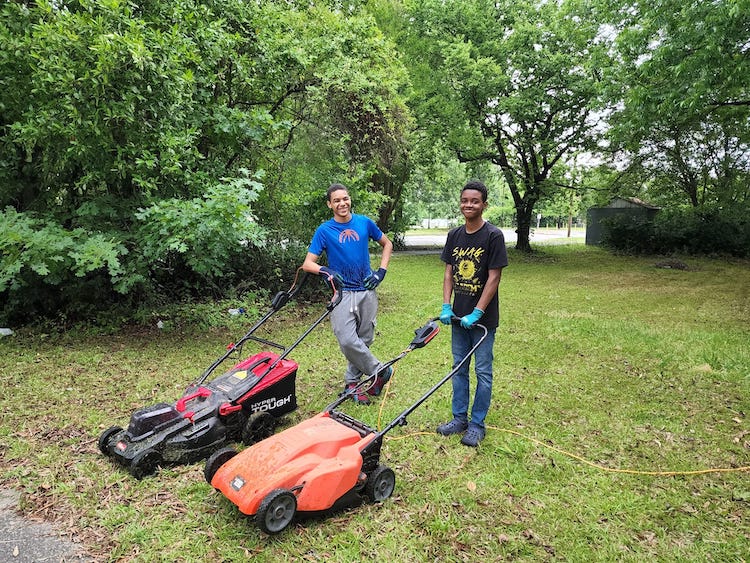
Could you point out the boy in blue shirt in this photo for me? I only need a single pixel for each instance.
(345, 240)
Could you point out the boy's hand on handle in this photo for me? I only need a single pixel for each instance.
(330, 274)
(446, 314)
(472, 318)
(373, 280)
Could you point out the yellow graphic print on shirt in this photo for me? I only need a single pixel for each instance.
(467, 262)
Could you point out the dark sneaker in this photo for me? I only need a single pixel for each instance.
(359, 397)
(380, 381)
(473, 436)
(455, 426)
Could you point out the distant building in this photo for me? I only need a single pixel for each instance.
(619, 206)
(436, 223)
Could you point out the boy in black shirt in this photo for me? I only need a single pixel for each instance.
(474, 256)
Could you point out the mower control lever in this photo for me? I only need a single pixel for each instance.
(337, 292)
(424, 334)
(279, 300)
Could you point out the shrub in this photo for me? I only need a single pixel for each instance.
(699, 231)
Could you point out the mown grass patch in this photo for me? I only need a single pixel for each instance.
(611, 359)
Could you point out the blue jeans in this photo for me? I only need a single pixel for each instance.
(461, 342)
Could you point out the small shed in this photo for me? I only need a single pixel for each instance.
(619, 206)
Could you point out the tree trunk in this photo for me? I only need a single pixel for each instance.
(523, 229)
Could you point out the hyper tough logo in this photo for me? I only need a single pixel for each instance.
(270, 403)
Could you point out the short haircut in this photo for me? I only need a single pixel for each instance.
(478, 186)
(333, 188)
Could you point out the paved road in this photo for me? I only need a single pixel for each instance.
(538, 236)
(26, 541)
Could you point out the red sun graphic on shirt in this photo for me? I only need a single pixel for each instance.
(347, 235)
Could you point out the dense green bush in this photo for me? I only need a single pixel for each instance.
(700, 231)
(134, 137)
(177, 250)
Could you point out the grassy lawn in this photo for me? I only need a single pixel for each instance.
(610, 373)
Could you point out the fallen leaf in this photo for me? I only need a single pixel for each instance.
(472, 486)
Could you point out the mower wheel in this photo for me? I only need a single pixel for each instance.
(106, 436)
(276, 511)
(216, 460)
(258, 427)
(380, 483)
(145, 463)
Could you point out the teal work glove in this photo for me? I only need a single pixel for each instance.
(373, 280)
(472, 318)
(446, 314)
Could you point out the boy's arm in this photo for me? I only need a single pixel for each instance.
(447, 283)
(387, 246)
(446, 312)
(490, 288)
(310, 265)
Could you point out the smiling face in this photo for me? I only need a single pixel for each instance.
(341, 205)
(472, 204)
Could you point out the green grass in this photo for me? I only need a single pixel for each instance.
(628, 366)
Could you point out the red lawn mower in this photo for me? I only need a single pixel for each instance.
(327, 462)
(244, 403)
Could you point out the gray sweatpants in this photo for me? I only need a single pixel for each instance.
(353, 324)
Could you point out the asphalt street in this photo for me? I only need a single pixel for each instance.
(538, 236)
(27, 541)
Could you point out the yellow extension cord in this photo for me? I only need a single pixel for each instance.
(572, 455)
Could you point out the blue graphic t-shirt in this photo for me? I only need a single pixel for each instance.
(347, 248)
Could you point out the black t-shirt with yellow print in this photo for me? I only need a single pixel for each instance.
(471, 257)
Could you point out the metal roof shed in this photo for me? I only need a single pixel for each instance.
(619, 206)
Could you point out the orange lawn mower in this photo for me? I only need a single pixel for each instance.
(324, 463)
(244, 403)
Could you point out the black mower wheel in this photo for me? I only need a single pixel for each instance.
(276, 511)
(106, 436)
(216, 460)
(380, 483)
(258, 427)
(145, 463)
(235, 424)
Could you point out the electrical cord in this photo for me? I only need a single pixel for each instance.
(618, 470)
(569, 454)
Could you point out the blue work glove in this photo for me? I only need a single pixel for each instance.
(325, 271)
(446, 314)
(373, 280)
(472, 318)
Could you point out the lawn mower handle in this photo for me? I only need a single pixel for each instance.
(279, 300)
(400, 420)
(335, 284)
(283, 297)
(422, 336)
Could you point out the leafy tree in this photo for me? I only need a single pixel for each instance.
(347, 120)
(682, 122)
(155, 126)
(511, 83)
